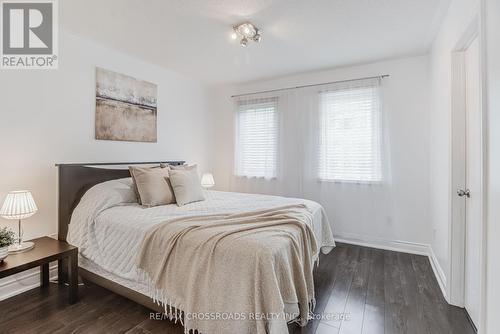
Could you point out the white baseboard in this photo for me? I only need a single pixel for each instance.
(27, 280)
(399, 246)
(373, 242)
(439, 273)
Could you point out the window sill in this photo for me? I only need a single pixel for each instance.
(257, 177)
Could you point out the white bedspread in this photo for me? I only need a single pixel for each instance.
(108, 225)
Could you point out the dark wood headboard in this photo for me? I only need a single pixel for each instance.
(76, 179)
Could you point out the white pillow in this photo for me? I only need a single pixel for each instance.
(186, 185)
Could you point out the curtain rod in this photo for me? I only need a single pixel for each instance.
(305, 86)
(119, 163)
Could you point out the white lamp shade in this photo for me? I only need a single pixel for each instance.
(207, 180)
(18, 205)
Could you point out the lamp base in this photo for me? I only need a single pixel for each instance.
(23, 247)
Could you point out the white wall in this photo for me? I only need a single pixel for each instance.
(47, 117)
(492, 37)
(458, 18)
(356, 214)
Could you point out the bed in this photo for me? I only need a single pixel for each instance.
(108, 225)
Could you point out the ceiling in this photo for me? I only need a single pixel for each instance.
(193, 36)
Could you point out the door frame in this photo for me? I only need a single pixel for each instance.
(457, 227)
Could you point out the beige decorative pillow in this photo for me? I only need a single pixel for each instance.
(153, 185)
(135, 184)
(186, 185)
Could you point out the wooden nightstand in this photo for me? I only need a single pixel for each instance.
(45, 251)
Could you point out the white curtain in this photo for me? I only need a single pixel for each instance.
(298, 156)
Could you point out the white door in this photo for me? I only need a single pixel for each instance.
(473, 181)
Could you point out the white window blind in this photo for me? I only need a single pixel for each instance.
(350, 131)
(256, 138)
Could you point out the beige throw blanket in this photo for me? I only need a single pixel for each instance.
(232, 273)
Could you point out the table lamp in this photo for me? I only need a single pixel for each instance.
(207, 180)
(19, 205)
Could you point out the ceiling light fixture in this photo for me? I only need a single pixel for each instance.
(246, 31)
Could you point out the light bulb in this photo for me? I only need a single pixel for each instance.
(247, 30)
(243, 42)
(234, 36)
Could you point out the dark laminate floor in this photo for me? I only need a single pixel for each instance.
(380, 291)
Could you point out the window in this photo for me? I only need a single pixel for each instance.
(256, 138)
(350, 135)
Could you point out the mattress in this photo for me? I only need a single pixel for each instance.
(108, 225)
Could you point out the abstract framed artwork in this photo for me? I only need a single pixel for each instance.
(126, 108)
